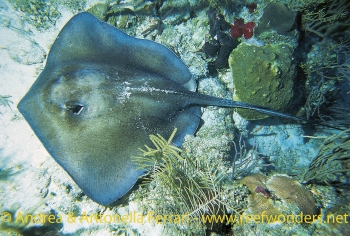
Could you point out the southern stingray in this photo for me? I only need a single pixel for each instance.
(99, 97)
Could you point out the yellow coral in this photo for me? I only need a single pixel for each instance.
(262, 76)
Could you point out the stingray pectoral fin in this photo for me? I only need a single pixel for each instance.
(87, 39)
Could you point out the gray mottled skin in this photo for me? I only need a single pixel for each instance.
(99, 97)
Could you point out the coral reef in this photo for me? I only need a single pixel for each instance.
(99, 10)
(244, 160)
(274, 194)
(179, 6)
(332, 162)
(276, 17)
(324, 27)
(262, 76)
(123, 14)
(251, 7)
(42, 14)
(179, 185)
(204, 167)
(335, 202)
(240, 28)
(291, 191)
(328, 70)
(257, 201)
(219, 44)
(327, 19)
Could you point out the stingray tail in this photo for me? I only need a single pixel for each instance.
(221, 102)
(235, 104)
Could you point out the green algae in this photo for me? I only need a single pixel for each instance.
(263, 76)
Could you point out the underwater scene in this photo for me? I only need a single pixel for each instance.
(174, 117)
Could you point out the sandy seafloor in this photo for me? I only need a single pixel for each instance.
(28, 173)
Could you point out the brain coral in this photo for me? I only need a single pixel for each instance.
(263, 76)
(278, 193)
(291, 191)
(258, 203)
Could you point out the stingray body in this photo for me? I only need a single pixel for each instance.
(99, 97)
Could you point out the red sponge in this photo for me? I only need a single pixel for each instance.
(239, 28)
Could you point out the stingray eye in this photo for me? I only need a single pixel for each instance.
(74, 107)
